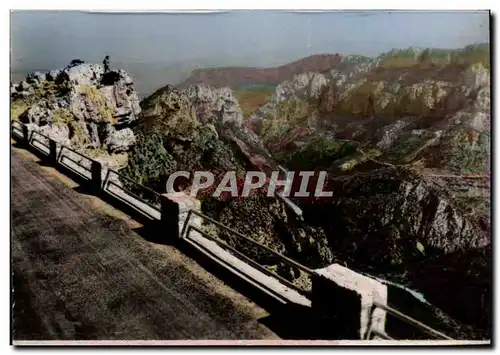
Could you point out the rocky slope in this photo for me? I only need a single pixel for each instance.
(82, 107)
(236, 77)
(201, 117)
(408, 149)
(407, 114)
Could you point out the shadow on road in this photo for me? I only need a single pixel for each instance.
(288, 321)
(152, 232)
(296, 322)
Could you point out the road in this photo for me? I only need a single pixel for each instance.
(81, 274)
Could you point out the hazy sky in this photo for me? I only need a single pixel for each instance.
(45, 40)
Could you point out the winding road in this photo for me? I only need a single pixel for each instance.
(82, 274)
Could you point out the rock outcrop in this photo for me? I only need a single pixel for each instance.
(80, 106)
(184, 113)
(407, 113)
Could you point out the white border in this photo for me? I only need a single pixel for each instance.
(152, 5)
(179, 5)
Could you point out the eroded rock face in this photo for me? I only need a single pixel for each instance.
(377, 219)
(380, 107)
(311, 86)
(181, 113)
(435, 119)
(82, 100)
(220, 102)
(209, 105)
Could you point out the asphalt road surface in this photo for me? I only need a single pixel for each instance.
(81, 274)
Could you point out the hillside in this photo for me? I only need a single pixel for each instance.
(405, 138)
(240, 76)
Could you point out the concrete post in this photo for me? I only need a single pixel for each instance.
(174, 210)
(53, 151)
(345, 299)
(26, 135)
(96, 171)
(170, 217)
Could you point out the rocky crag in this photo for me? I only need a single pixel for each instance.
(82, 107)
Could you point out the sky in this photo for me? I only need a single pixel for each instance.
(50, 39)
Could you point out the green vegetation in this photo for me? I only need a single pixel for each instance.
(290, 113)
(473, 206)
(17, 108)
(77, 129)
(467, 152)
(425, 55)
(47, 89)
(169, 113)
(405, 149)
(372, 153)
(358, 101)
(319, 153)
(410, 57)
(251, 99)
(77, 133)
(261, 88)
(472, 54)
(160, 153)
(95, 96)
(149, 160)
(62, 117)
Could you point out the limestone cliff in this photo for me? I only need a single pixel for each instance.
(80, 106)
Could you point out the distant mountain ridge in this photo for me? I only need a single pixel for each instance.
(240, 76)
(234, 77)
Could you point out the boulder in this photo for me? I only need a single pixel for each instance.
(118, 141)
(83, 74)
(24, 86)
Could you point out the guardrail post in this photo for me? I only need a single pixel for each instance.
(344, 301)
(170, 212)
(96, 171)
(26, 135)
(53, 151)
(175, 209)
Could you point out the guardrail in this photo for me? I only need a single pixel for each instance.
(96, 180)
(19, 129)
(33, 139)
(187, 227)
(405, 318)
(155, 195)
(94, 168)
